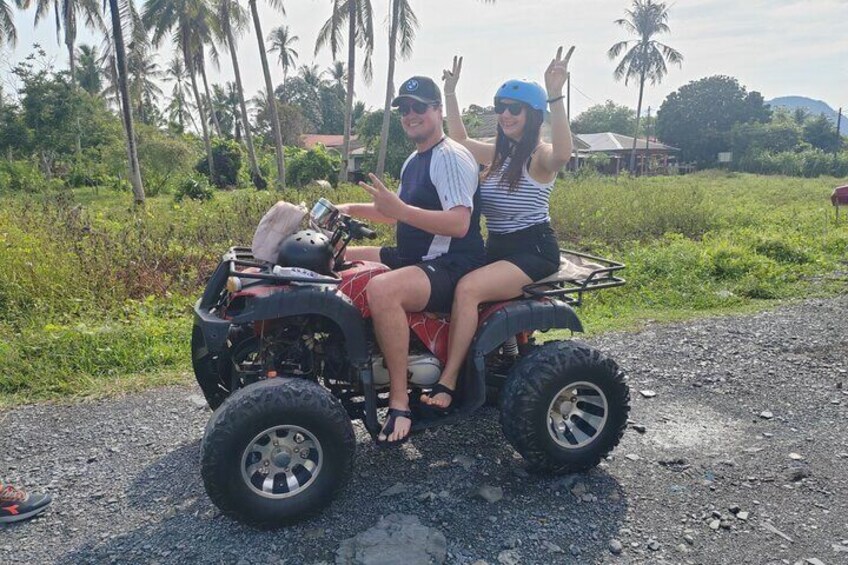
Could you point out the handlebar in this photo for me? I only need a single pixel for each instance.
(359, 230)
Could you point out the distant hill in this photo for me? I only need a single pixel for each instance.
(814, 107)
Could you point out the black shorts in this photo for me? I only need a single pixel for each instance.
(534, 250)
(443, 273)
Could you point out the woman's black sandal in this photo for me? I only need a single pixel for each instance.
(389, 427)
(439, 388)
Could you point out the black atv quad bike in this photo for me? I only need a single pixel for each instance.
(286, 356)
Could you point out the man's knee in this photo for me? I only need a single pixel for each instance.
(382, 291)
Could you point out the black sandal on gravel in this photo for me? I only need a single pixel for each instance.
(439, 388)
(389, 427)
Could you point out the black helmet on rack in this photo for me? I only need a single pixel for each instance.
(307, 249)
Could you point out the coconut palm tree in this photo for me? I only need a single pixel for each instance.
(66, 14)
(90, 72)
(312, 76)
(144, 90)
(116, 9)
(190, 24)
(233, 20)
(338, 74)
(8, 33)
(282, 41)
(644, 58)
(178, 108)
(269, 89)
(360, 33)
(402, 30)
(200, 65)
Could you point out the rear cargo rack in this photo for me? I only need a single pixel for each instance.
(243, 257)
(597, 275)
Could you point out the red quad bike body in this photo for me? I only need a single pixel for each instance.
(286, 356)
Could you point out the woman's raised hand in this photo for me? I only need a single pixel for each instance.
(451, 77)
(557, 73)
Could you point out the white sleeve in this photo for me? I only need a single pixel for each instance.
(402, 169)
(454, 173)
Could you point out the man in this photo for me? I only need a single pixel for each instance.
(16, 504)
(438, 238)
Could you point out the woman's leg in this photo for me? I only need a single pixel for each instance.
(500, 280)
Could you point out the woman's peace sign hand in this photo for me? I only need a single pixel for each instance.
(557, 73)
(451, 77)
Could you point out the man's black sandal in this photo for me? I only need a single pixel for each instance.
(439, 388)
(389, 427)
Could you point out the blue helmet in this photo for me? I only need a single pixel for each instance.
(527, 91)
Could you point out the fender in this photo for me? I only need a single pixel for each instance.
(514, 318)
(321, 300)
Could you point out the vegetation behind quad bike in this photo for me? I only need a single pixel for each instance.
(95, 295)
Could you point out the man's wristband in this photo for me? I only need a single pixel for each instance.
(557, 99)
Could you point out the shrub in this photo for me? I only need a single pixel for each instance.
(226, 157)
(195, 187)
(303, 167)
(24, 177)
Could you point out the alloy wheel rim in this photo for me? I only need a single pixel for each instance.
(282, 461)
(577, 415)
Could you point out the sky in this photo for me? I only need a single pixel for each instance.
(776, 47)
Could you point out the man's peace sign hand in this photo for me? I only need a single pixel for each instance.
(386, 202)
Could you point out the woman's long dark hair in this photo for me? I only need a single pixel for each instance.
(518, 152)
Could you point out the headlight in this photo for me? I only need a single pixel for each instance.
(233, 285)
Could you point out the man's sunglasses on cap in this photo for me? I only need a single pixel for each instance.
(514, 108)
(405, 107)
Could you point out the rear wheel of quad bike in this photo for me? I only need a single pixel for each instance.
(564, 407)
(277, 452)
(214, 371)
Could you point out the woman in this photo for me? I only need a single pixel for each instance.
(515, 188)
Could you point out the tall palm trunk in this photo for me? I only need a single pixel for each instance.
(203, 123)
(390, 91)
(215, 121)
(255, 173)
(351, 66)
(636, 131)
(120, 54)
(70, 39)
(272, 100)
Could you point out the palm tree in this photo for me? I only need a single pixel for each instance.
(404, 23)
(200, 64)
(233, 20)
(178, 108)
(144, 91)
(645, 58)
(360, 33)
(66, 12)
(311, 76)
(269, 89)
(8, 33)
(189, 22)
(281, 42)
(226, 107)
(338, 74)
(126, 105)
(89, 74)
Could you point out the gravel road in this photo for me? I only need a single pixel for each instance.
(737, 453)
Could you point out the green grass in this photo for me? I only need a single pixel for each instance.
(95, 295)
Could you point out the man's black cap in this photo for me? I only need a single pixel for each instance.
(422, 89)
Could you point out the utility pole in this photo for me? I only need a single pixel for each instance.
(838, 134)
(568, 117)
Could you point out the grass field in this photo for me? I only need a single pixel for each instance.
(95, 296)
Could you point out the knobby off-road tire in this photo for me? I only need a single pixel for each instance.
(295, 429)
(562, 387)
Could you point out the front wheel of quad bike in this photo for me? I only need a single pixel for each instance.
(564, 407)
(277, 452)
